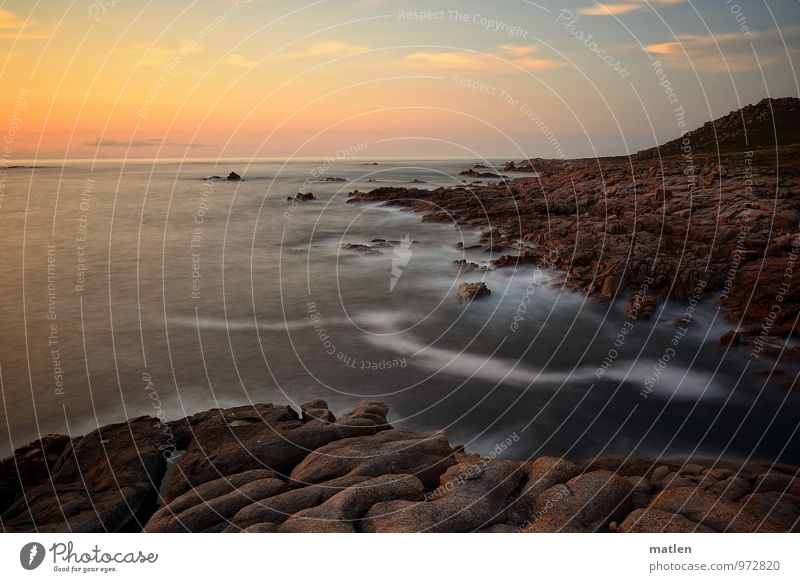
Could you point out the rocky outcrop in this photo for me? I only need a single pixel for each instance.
(470, 291)
(472, 173)
(616, 228)
(301, 197)
(106, 481)
(267, 468)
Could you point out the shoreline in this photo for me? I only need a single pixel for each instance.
(638, 230)
(268, 468)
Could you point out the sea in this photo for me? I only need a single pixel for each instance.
(149, 287)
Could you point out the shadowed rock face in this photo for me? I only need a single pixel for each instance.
(105, 481)
(264, 468)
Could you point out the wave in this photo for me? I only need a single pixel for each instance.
(672, 382)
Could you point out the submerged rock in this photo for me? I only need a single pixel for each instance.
(302, 197)
(470, 291)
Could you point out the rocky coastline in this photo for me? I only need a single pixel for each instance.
(643, 230)
(270, 468)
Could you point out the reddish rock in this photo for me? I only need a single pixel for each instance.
(470, 291)
(656, 521)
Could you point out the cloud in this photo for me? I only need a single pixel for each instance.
(12, 27)
(329, 48)
(725, 52)
(522, 56)
(153, 142)
(617, 8)
(239, 61)
(161, 55)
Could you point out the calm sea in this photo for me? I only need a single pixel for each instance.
(140, 288)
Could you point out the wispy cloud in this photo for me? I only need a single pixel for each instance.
(160, 55)
(239, 61)
(521, 56)
(617, 8)
(725, 52)
(153, 142)
(329, 48)
(12, 27)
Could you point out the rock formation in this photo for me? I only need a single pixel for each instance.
(470, 291)
(266, 468)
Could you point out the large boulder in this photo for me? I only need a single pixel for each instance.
(590, 501)
(29, 466)
(106, 481)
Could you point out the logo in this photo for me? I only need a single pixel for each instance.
(31, 555)
(402, 254)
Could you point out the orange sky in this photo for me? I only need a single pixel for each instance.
(207, 78)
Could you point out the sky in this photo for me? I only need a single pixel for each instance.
(456, 78)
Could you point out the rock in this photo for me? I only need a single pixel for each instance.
(303, 196)
(341, 512)
(105, 481)
(318, 410)
(692, 469)
(729, 339)
(361, 249)
(470, 497)
(277, 509)
(210, 506)
(590, 501)
(661, 472)
(265, 468)
(272, 437)
(470, 291)
(656, 521)
(553, 523)
(473, 174)
(261, 528)
(719, 473)
(663, 194)
(234, 177)
(641, 307)
(759, 512)
(778, 482)
(466, 266)
(611, 241)
(542, 474)
(675, 479)
(29, 466)
(732, 488)
(426, 456)
(499, 528)
(642, 491)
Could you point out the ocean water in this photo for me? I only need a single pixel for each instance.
(139, 288)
